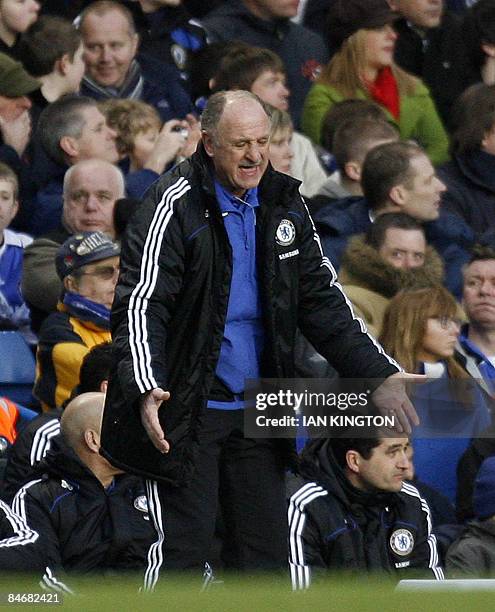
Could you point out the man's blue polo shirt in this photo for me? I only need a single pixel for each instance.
(243, 335)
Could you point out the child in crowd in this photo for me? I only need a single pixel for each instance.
(142, 138)
(281, 153)
(14, 313)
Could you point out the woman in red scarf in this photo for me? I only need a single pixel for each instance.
(362, 36)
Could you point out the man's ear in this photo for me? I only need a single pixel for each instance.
(62, 64)
(397, 195)
(69, 146)
(393, 5)
(92, 439)
(353, 170)
(208, 143)
(70, 284)
(353, 460)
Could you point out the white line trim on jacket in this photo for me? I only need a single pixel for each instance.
(138, 302)
(300, 572)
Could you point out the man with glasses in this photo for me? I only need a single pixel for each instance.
(88, 266)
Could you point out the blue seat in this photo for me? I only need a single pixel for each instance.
(17, 368)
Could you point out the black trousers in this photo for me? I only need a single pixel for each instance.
(247, 477)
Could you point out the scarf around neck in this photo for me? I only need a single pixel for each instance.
(87, 310)
(385, 91)
(131, 88)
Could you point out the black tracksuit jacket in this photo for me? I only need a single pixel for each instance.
(335, 527)
(78, 525)
(171, 302)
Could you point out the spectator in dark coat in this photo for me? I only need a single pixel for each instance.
(431, 46)
(167, 33)
(112, 70)
(35, 439)
(266, 23)
(470, 175)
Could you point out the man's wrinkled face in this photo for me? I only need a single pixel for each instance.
(239, 147)
(109, 47)
(89, 199)
(421, 13)
(96, 281)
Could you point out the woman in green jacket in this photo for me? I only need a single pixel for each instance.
(363, 67)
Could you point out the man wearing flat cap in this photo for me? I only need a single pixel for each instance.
(15, 122)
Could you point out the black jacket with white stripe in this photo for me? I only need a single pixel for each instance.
(29, 448)
(333, 527)
(171, 301)
(78, 525)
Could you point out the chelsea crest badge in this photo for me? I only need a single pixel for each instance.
(286, 233)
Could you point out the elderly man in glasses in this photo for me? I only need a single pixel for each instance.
(88, 266)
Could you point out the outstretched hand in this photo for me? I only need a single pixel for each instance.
(150, 404)
(391, 400)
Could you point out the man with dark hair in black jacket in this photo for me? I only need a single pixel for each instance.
(351, 510)
(80, 514)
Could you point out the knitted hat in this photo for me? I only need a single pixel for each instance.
(84, 248)
(484, 490)
(346, 17)
(14, 80)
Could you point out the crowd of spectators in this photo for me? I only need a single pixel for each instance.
(384, 111)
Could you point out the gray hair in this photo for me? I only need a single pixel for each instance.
(216, 105)
(62, 118)
(117, 172)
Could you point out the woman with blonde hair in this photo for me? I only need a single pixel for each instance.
(420, 330)
(362, 34)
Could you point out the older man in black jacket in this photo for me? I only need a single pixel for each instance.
(219, 269)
